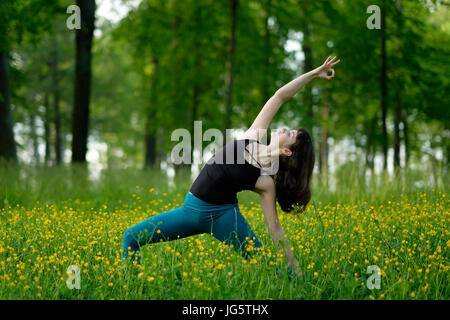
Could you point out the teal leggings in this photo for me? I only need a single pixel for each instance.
(224, 222)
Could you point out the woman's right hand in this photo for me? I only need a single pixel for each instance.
(323, 70)
(295, 268)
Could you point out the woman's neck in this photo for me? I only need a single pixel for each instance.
(264, 154)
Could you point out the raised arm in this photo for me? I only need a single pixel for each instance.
(266, 190)
(283, 94)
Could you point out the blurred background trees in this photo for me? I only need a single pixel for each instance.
(166, 63)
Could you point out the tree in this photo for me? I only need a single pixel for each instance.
(82, 93)
(7, 142)
(234, 4)
(19, 18)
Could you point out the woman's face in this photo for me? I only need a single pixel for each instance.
(286, 137)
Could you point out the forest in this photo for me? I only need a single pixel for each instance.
(219, 62)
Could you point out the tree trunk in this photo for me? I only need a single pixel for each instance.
(109, 154)
(47, 132)
(82, 91)
(267, 51)
(7, 142)
(34, 138)
(308, 66)
(383, 84)
(150, 142)
(150, 146)
(194, 110)
(161, 150)
(323, 159)
(446, 148)
(370, 145)
(230, 63)
(367, 156)
(57, 116)
(405, 136)
(197, 88)
(150, 131)
(397, 119)
(177, 88)
(195, 104)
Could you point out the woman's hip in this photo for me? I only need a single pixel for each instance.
(194, 203)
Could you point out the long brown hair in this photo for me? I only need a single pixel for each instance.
(294, 174)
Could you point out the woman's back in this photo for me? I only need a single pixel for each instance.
(225, 174)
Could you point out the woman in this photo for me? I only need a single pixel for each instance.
(211, 205)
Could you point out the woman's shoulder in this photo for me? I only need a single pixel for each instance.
(254, 134)
(265, 183)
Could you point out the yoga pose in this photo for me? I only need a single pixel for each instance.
(211, 205)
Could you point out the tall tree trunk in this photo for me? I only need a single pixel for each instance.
(367, 155)
(109, 155)
(397, 119)
(308, 66)
(195, 105)
(267, 51)
(383, 84)
(230, 63)
(82, 91)
(62, 135)
(150, 145)
(57, 116)
(197, 88)
(47, 132)
(161, 150)
(398, 101)
(150, 131)
(405, 136)
(34, 138)
(446, 148)
(194, 110)
(323, 159)
(177, 88)
(370, 145)
(7, 142)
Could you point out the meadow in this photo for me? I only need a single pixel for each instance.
(52, 218)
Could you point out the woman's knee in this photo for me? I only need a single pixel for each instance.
(129, 239)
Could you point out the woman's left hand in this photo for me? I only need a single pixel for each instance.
(323, 70)
(296, 269)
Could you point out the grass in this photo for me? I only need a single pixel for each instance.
(51, 218)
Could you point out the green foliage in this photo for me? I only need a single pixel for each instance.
(22, 18)
(163, 66)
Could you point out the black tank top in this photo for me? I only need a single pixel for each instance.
(225, 174)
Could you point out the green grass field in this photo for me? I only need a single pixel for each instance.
(53, 218)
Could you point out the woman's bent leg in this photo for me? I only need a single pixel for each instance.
(170, 225)
(232, 228)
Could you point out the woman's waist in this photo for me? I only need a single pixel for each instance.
(195, 202)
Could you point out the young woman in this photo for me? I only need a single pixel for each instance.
(211, 205)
